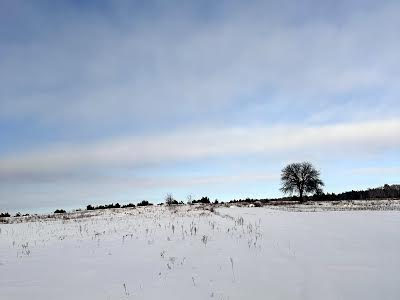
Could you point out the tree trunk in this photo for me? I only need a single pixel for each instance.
(301, 196)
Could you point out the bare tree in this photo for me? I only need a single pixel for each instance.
(169, 200)
(301, 178)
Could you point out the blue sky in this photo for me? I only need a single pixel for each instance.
(106, 101)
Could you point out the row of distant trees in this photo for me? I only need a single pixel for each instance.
(384, 192)
(301, 181)
(117, 205)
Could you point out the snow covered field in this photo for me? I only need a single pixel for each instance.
(190, 253)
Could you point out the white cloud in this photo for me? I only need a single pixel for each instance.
(265, 71)
(357, 139)
(93, 70)
(377, 171)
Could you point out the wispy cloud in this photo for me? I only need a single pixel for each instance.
(91, 94)
(159, 69)
(186, 145)
(377, 171)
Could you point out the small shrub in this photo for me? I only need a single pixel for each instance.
(59, 211)
(203, 200)
(144, 203)
(107, 206)
(169, 200)
(5, 215)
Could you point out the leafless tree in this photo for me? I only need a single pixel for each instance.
(301, 178)
(169, 199)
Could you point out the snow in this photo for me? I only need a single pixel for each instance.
(187, 252)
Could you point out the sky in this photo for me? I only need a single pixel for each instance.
(121, 101)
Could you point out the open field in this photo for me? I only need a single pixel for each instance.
(343, 205)
(190, 252)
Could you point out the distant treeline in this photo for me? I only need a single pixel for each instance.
(203, 200)
(117, 205)
(383, 192)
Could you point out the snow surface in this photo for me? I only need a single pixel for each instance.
(187, 252)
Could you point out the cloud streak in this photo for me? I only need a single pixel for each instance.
(96, 94)
(188, 145)
(96, 69)
(377, 171)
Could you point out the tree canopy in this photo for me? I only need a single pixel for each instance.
(301, 178)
